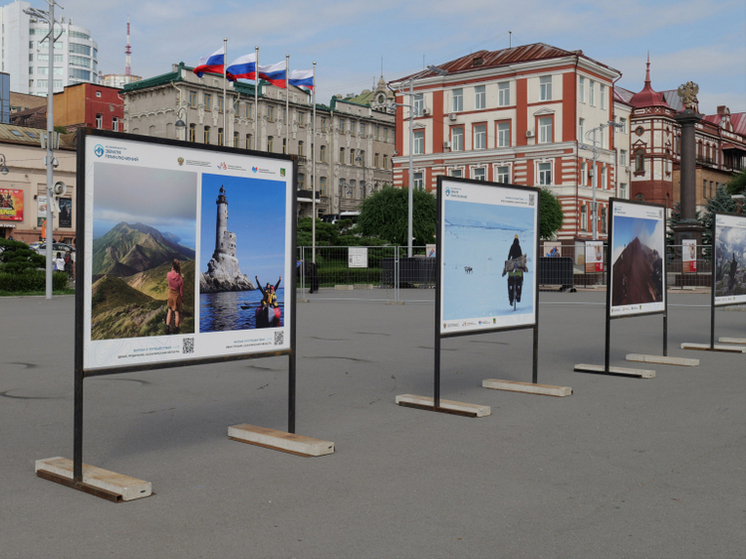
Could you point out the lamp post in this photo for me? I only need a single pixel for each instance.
(591, 135)
(182, 124)
(49, 161)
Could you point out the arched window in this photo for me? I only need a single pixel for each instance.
(640, 161)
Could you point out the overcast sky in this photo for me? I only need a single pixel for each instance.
(351, 40)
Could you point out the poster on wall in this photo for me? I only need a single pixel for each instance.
(689, 256)
(186, 252)
(41, 211)
(66, 213)
(730, 259)
(489, 242)
(11, 204)
(594, 256)
(637, 245)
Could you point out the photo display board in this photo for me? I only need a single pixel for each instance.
(688, 256)
(729, 274)
(594, 256)
(488, 246)
(224, 216)
(637, 248)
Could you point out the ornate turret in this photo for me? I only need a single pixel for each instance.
(647, 97)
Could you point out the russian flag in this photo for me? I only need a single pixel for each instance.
(213, 63)
(301, 78)
(274, 73)
(243, 67)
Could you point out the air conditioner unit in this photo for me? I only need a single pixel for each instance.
(425, 112)
(530, 134)
(446, 145)
(452, 116)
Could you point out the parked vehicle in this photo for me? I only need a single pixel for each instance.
(56, 247)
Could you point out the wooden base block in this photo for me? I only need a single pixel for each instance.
(663, 360)
(732, 341)
(446, 406)
(394, 302)
(363, 286)
(623, 371)
(344, 287)
(97, 481)
(527, 387)
(280, 440)
(717, 347)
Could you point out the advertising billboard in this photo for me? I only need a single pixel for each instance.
(11, 204)
(186, 253)
(689, 256)
(488, 236)
(730, 259)
(594, 256)
(637, 243)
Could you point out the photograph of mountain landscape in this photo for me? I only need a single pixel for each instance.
(730, 259)
(143, 219)
(637, 265)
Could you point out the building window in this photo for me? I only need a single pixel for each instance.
(301, 118)
(206, 135)
(545, 130)
(385, 134)
(456, 173)
(352, 127)
(249, 110)
(479, 173)
(602, 89)
(385, 161)
(503, 134)
(623, 157)
(352, 191)
(623, 191)
(602, 184)
(581, 129)
(192, 133)
(480, 136)
(220, 137)
(323, 123)
(236, 140)
(583, 174)
(623, 122)
(458, 100)
(115, 124)
(545, 88)
(301, 181)
(99, 121)
(418, 104)
(270, 113)
(603, 220)
(503, 174)
(342, 156)
(361, 157)
(301, 148)
(592, 93)
(193, 99)
(418, 181)
(377, 134)
(270, 143)
(457, 138)
(322, 154)
(376, 160)
(503, 94)
(545, 174)
(362, 130)
(640, 161)
(640, 197)
(208, 101)
(581, 89)
(249, 141)
(352, 156)
(323, 187)
(584, 218)
(480, 97)
(342, 125)
(221, 104)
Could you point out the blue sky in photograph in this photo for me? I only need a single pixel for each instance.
(627, 228)
(355, 41)
(256, 214)
(165, 200)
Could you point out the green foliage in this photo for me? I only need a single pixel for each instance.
(737, 183)
(17, 258)
(720, 203)
(32, 280)
(326, 233)
(551, 215)
(384, 214)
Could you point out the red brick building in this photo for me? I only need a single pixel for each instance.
(89, 105)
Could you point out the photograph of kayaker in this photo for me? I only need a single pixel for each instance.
(242, 238)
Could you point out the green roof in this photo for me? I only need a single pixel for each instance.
(165, 79)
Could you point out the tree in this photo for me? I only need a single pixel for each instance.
(720, 203)
(17, 258)
(551, 216)
(384, 214)
(737, 183)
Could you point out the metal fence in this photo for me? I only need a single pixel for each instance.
(387, 274)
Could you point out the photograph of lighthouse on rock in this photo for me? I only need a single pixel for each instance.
(139, 229)
(242, 253)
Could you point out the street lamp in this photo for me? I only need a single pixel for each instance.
(591, 135)
(3, 169)
(181, 124)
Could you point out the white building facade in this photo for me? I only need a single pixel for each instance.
(26, 57)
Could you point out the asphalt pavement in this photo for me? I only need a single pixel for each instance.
(623, 468)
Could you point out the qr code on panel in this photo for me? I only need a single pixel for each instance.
(279, 337)
(188, 346)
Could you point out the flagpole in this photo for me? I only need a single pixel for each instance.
(287, 104)
(313, 169)
(225, 98)
(256, 99)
